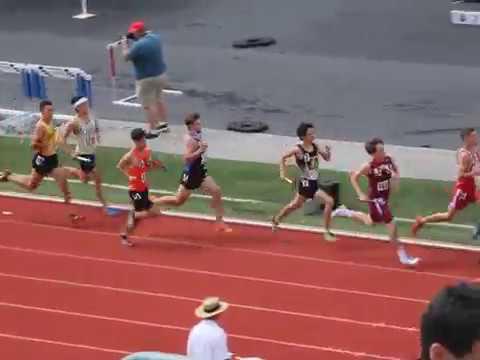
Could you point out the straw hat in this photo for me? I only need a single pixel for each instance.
(211, 306)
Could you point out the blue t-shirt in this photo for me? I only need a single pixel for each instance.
(147, 57)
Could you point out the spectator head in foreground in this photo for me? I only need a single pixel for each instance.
(450, 327)
(211, 308)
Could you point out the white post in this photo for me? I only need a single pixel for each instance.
(84, 14)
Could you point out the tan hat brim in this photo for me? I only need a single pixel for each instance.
(202, 314)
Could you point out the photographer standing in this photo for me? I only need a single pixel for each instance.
(146, 54)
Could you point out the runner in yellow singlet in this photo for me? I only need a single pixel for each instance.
(45, 159)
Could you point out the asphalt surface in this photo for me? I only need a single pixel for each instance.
(396, 69)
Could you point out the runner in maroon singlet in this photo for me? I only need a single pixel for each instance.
(465, 191)
(381, 173)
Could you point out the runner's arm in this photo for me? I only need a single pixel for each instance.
(155, 164)
(97, 129)
(325, 154)
(354, 179)
(70, 128)
(283, 163)
(465, 162)
(37, 138)
(395, 181)
(124, 164)
(191, 152)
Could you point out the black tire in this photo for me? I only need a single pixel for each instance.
(254, 42)
(246, 126)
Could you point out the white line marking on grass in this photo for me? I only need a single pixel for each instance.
(253, 201)
(166, 192)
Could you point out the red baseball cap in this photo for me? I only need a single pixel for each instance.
(136, 26)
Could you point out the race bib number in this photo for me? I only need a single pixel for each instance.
(383, 185)
(39, 160)
(461, 195)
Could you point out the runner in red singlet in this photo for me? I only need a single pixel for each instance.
(465, 191)
(135, 164)
(381, 173)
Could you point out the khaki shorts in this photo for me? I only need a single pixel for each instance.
(149, 90)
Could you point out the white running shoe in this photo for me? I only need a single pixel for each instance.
(342, 211)
(406, 259)
(339, 211)
(125, 241)
(329, 236)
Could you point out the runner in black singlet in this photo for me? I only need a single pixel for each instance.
(194, 175)
(307, 157)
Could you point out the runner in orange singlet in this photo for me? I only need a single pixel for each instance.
(135, 164)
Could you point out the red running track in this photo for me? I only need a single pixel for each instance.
(74, 292)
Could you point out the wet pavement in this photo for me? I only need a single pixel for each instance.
(394, 69)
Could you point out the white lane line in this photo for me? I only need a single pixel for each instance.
(197, 300)
(184, 329)
(213, 274)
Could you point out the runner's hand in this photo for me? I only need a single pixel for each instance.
(286, 179)
(203, 146)
(327, 153)
(363, 197)
(157, 164)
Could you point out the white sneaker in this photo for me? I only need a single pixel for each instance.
(338, 210)
(329, 236)
(342, 211)
(125, 241)
(407, 260)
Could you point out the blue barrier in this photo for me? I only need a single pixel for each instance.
(26, 83)
(33, 79)
(83, 87)
(38, 86)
